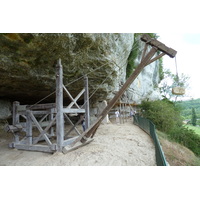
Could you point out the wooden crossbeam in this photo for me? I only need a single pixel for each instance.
(155, 43)
(76, 98)
(146, 60)
(43, 132)
(73, 126)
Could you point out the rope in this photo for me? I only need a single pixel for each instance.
(176, 71)
(43, 99)
(96, 90)
(133, 48)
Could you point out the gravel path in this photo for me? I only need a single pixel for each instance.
(113, 145)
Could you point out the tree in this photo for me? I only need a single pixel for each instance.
(170, 81)
(194, 117)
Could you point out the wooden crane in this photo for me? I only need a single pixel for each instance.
(147, 58)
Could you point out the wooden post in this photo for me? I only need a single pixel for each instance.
(51, 131)
(29, 128)
(86, 103)
(15, 119)
(59, 106)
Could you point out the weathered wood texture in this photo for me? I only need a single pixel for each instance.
(155, 43)
(86, 104)
(146, 60)
(59, 106)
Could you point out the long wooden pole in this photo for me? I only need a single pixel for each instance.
(91, 131)
(86, 103)
(124, 87)
(59, 106)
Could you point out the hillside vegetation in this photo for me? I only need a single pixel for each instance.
(167, 118)
(186, 109)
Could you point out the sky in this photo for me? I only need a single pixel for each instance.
(187, 46)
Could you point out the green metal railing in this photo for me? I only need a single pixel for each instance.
(149, 128)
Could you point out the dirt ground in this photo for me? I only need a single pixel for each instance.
(113, 145)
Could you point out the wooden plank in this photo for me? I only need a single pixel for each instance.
(90, 131)
(44, 131)
(73, 110)
(42, 119)
(41, 148)
(67, 149)
(73, 128)
(156, 58)
(75, 99)
(15, 116)
(40, 129)
(144, 51)
(77, 123)
(42, 106)
(69, 141)
(21, 108)
(15, 120)
(51, 117)
(153, 42)
(72, 99)
(41, 112)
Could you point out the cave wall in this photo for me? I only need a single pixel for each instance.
(28, 73)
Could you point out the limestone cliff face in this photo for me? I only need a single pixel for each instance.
(27, 60)
(28, 75)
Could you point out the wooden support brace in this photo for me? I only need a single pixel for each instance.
(160, 46)
(73, 127)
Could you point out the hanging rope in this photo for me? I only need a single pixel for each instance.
(176, 71)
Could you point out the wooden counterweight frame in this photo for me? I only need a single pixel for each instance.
(55, 114)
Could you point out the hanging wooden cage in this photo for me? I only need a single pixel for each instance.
(178, 90)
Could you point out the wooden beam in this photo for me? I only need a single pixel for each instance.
(156, 58)
(91, 131)
(67, 149)
(44, 132)
(73, 126)
(72, 99)
(59, 106)
(41, 106)
(42, 148)
(77, 123)
(15, 119)
(155, 43)
(72, 110)
(86, 104)
(40, 129)
(75, 100)
(29, 125)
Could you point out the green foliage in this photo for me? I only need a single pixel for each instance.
(194, 117)
(186, 137)
(132, 64)
(186, 107)
(170, 81)
(163, 114)
(166, 116)
(161, 72)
